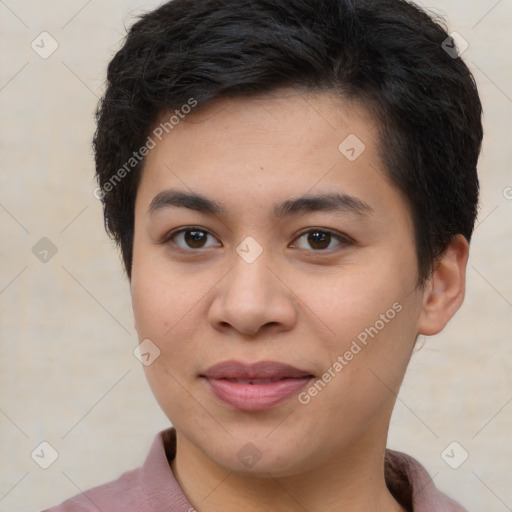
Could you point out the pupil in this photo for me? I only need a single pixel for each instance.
(319, 237)
(193, 238)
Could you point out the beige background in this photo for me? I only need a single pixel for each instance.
(68, 374)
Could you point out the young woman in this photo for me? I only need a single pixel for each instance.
(293, 187)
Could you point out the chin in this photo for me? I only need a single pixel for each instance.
(249, 456)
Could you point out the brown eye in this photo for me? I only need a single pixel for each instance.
(195, 239)
(320, 240)
(190, 238)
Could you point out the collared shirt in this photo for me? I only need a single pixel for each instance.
(153, 487)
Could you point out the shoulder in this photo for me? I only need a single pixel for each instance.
(149, 488)
(413, 487)
(116, 496)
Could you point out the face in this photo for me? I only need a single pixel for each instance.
(255, 273)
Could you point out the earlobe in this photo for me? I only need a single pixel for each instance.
(444, 292)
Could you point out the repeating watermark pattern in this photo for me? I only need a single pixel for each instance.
(249, 250)
(44, 455)
(137, 156)
(44, 45)
(249, 455)
(355, 348)
(454, 455)
(455, 45)
(44, 250)
(147, 352)
(352, 147)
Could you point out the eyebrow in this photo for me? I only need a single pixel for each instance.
(327, 202)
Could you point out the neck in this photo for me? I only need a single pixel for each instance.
(349, 481)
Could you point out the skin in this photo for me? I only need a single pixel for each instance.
(301, 302)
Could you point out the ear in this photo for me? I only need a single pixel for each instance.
(444, 291)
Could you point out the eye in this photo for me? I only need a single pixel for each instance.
(320, 239)
(191, 237)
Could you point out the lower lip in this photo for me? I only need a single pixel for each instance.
(255, 397)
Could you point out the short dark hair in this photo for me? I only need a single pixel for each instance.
(386, 54)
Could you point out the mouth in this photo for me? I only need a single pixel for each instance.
(253, 387)
(255, 381)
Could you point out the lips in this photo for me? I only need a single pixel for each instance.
(261, 370)
(255, 386)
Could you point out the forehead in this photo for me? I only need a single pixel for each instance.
(261, 151)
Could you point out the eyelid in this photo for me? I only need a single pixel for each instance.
(324, 230)
(168, 237)
(342, 238)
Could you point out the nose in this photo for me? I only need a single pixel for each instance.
(253, 297)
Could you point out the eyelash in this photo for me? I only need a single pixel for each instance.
(341, 238)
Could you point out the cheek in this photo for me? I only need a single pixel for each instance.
(161, 315)
(160, 310)
(170, 309)
(356, 301)
(371, 318)
(161, 295)
(365, 364)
